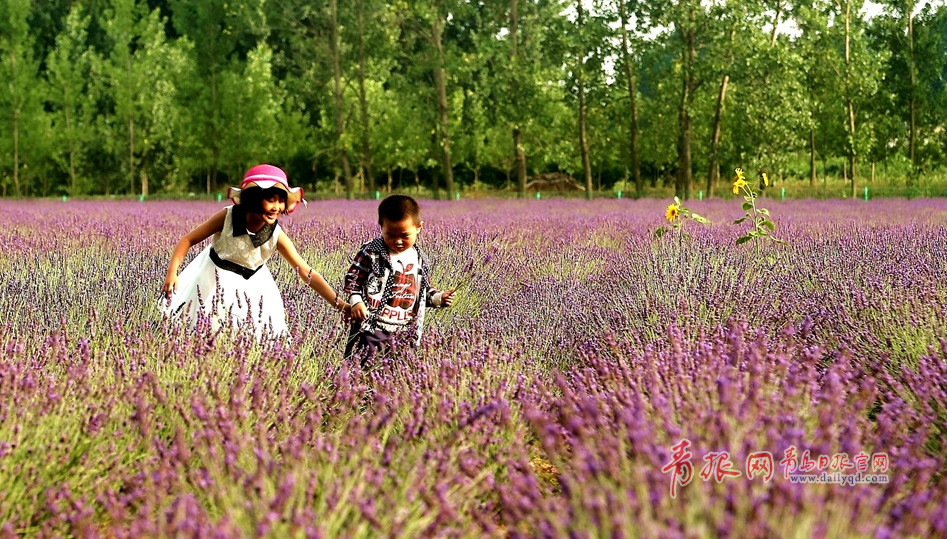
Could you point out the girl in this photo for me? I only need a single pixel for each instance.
(229, 279)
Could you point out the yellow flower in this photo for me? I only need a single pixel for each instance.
(739, 172)
(739, 183)
(765, 179)
(672, 212)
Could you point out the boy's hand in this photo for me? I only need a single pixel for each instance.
(359, 311)
(447, 297)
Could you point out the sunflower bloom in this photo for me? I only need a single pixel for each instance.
(672, 212)
(738, 184)
(739, 172)
(765, 179)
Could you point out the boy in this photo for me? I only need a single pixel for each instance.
(388, 284)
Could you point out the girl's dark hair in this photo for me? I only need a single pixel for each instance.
(251, 198)
(398, 208)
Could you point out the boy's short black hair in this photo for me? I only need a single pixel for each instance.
(398, 208)
(251, 198)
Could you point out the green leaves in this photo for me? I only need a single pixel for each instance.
(762, 225)
(678, 215)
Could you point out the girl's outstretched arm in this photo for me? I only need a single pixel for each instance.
(288, 251)
(200, 233)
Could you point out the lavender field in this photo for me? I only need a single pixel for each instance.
(557, 397)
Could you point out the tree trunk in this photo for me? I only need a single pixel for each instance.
(912, 103)
(519, 162)
(131, 154)
(775, 31)
(338, 99)
(215, 141)
(519, 156)
(440, 86)
(713, 174)
(73, 181)
(583, 138)
(16, 126)
(633, 99)
(130, 124)
(849, 104)
(685, 175)
(812, 174)
(367, 158)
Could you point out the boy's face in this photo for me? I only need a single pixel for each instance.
(400, 236)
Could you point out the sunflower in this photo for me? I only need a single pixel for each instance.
(672, 212)
(765, 179)
(738, 184)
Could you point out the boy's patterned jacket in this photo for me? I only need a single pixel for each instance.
(372, 268)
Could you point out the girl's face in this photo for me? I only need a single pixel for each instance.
(272, 207)
(401, 235)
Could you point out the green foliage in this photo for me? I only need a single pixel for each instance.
(123, 96)
(762, 224)
(68, 69)
(678, 216)
(24, 124)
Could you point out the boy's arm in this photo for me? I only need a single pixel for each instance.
(438, 298)
(356, 276)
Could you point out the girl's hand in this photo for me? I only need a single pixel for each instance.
(170, 285)
(447, 297)
(359, 311)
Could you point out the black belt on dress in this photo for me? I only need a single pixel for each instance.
(242, 271)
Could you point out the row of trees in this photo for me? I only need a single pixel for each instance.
(147, 96)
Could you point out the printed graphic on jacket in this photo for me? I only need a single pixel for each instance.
(405, 283)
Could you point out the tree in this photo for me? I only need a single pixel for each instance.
(859, 75)
(254, 108)
(913, 72)
(365, 11)
(434, 16)
(686, 24)
(580, 90)
(140, 62)
(68, 70)
(22, 117)
(221, 34)
(628, 65)
(338, 100)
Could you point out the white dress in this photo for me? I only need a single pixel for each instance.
(229, 282)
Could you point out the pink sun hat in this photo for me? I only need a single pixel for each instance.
(267, 176)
